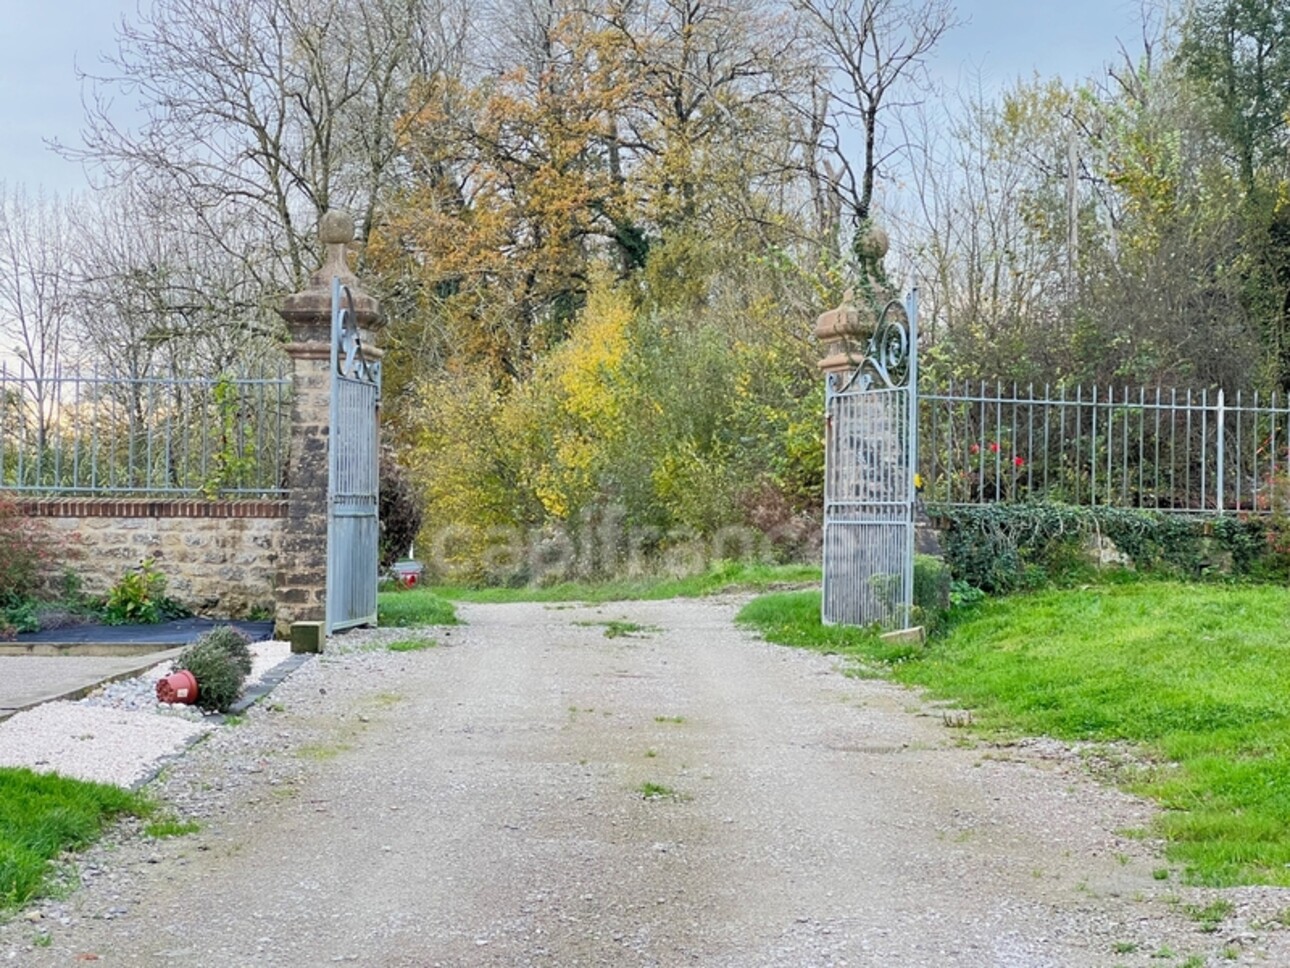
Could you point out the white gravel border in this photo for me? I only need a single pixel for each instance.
(86, 740)
(94, 743)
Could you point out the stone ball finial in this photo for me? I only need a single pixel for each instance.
(872, 243)
(336, 227)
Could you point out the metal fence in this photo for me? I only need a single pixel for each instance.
(91, 435)
(1162, 449)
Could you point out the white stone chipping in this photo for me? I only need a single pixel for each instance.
(118, 734)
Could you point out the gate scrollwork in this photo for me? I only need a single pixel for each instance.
(884, 364)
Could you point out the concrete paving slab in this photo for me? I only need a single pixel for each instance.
(28, 680)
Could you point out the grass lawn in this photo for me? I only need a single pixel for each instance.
(408, 608)
(1196, 676)
(724, 577)
(43, 815)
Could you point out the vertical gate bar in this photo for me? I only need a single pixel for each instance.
(911, 458)
(1254, 454)
(1272, 438)
(827, 573)
(1078, 466)
(1030, 440)
(1142, 441)
(1061, 436)
(949, 446)
(1124, 450)
(333, 457)
(1013, 441)
(78, 433)
(1187, 441)
(1092, 450)
(1204, 449)
(1221, 418)
(998, 432)
(57, 409)
(981, 450)
(1110, 443)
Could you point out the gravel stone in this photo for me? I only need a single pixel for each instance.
(817, 820)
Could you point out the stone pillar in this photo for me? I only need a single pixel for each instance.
(300, 583)
(845, 331)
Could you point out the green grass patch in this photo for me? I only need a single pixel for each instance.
(411, 645)
(793, 618)
(41, 816)
(724, 577)
(1209, 916)
(413, 607)
(657, 791)
(1195, 676)
(161, 829)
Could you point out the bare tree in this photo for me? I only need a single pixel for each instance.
(265, 112)
(874, 56)
(153, 299)
(37, 259)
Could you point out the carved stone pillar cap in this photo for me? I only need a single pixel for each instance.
(308, 312)
(847, 321)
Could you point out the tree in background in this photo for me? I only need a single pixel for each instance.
(38, 254)
(1237, 54)
(265, 113)
(601, 228)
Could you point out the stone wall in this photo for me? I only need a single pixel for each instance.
(219, 557)
(301, 576)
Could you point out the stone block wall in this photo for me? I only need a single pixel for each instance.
(301, 576)
(219, 557)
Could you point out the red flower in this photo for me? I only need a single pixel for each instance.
(1019, 461)
(994, 447)
(975, 449)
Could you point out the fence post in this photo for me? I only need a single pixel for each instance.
(300, 582)
(1221, 416)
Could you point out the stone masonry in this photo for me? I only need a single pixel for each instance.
(300, 581)
(218, 557)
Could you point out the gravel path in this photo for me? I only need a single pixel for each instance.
(485, 803)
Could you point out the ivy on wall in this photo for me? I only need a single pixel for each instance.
(1008, 547)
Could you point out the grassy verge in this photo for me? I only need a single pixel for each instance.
(41, 816)
(725, 577)
(1196, 677)
(409, 608)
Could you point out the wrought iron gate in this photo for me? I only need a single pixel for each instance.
(352, 479)
(870, 457)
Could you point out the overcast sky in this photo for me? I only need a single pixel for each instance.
(1002, 40)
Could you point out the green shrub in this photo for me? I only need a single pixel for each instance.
(220, 661)
(233, 641)
(25, 550)
(401, 511)
(1009, 547)
(931, 592)
(139, 598)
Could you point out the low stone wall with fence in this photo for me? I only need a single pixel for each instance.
(252, 492)
(219, 557)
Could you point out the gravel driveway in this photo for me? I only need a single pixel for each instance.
(533, 792)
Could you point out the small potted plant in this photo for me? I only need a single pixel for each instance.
(210, 672)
